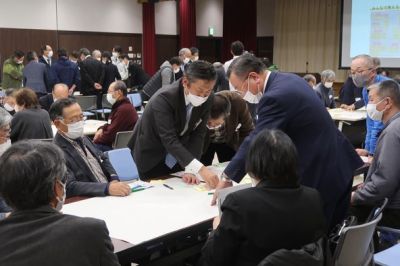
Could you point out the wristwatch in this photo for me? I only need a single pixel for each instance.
(225, 178)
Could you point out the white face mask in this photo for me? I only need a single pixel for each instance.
(176, 70)
(373, 113)
(110, 99)
(75, 130)
(8, 107)
(114, 54)
(186, 60)
(328, 85)
(20, 62)
(50, 54)
(5, 146)
(60, 202)
(214, 128)
(196, 100)
(250, 97)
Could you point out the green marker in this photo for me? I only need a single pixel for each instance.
(137, 189)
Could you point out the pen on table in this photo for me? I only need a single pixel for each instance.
(165, 185)
(210, 193)
(137, 189)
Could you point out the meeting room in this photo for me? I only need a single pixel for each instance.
(200, 132)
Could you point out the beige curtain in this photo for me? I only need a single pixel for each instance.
(307, 31)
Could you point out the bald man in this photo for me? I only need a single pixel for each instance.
(60, 91)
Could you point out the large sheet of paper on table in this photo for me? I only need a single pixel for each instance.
(150, 213)
(343, 115)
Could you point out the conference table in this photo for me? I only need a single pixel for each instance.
(344, 116)
(90, 127)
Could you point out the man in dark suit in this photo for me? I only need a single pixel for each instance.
(47, 59)
(169, 137)
(60, 91)
(92, 76)
(36, 232)
(90, 173)
(326, 158)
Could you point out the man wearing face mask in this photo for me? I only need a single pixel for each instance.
(123, 116)
(90, 173)
(12, 71)
(185, 55)
(195, 53)
(164, 76)
(229, 123)
(169, 136)
(326, 158)
(382, 180)
(47, 59)
(363, 73)
(324, 89)
(32, 182)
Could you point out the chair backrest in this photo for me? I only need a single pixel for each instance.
(135, 99)
(355, 244)
(123, 163)
(86, 102)
(122, 138)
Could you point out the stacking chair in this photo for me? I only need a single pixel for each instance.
(122, 138)
(106, 107)
(123, 163)
(87, 103)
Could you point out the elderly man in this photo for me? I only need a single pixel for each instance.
(382, 180)
(326, 158)
(60, 91)
(123, 116)
(170, 135)
(90, 173)
(324, 89)
(363, 73)
(311, 80)
(36, 232)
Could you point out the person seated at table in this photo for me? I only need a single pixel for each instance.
(324, 88)
(276, 213)
(350, 96)
(123, 116)
(36, 232)
(90, 173)
(169, 137)
(29, 122)
(382, 180)
(229, 123)
(5, 143)
(60, 91)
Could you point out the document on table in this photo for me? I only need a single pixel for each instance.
(150, 213)
(217, 169)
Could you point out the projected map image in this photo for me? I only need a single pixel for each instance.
(385, 31)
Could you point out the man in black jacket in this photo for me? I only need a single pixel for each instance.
(90, 173)
(60, 91)
(92, 76)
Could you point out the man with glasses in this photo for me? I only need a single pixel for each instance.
(89, 171)
(326, 158)
(363, 73)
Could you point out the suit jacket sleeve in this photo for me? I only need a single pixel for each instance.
(272, 115)
(78, 188)
(107, 255)
(166, 74)
(163, 116)
(227, 238)
(198, 136)
(245, 119)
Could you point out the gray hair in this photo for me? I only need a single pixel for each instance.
(309, 77)
(96, 54)
(245, 64)
(62, 85)
(368, 60)
(390, 88)
(328, 74)
(5, 118)
(184, 51)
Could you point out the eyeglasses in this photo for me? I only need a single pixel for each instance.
(359, 71)
(75, 119)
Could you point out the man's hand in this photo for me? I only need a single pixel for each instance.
(98, 134)
(209, 177)
(351, 107)
(97, 86)
(190, 179)
(362, 152)
(222, 184)
(117, 188)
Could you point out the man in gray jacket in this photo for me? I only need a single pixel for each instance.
(383, 179)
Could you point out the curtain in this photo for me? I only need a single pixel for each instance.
(239, 23)
(149, 39)
(306, 36)
(187, 23)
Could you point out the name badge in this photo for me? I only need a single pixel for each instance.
(357, 99)
(109, 121)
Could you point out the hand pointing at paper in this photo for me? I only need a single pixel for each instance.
(209, 177)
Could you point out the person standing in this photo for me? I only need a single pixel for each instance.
(35, 75)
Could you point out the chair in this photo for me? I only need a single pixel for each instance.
(87, 103)
(122, 138)
(106, 106)
(135, 99)
(355, 246)
(123, 163)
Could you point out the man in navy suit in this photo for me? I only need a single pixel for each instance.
(326, 158)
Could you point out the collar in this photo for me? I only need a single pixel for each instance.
(266, 80)
(268, 183)
(45, 57)
(397, 115)
(235, 56)
(42, 209)
(87, 56)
